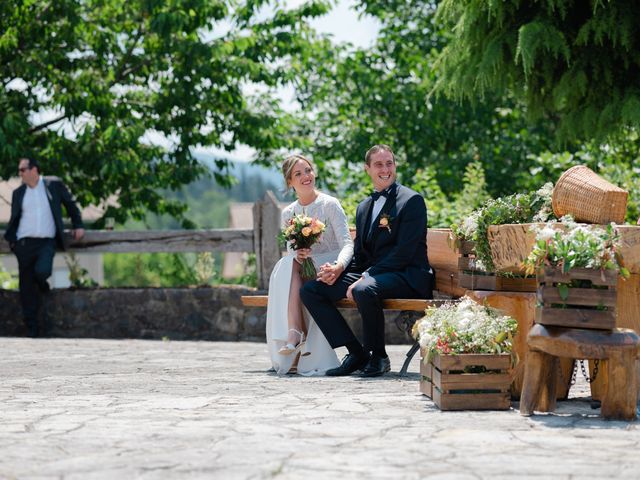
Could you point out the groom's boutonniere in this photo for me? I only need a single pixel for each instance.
(385, 222)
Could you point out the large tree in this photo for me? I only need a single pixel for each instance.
(353, 98)
(575, 60)
(113, 95)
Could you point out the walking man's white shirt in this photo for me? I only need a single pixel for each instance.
(36, 220)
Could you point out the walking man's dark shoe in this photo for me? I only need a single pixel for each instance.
(377, 366)
(351, 363)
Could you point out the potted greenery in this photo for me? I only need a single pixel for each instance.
(466, 356)
(577, 268)
(473, 230)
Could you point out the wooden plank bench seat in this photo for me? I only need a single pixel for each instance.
(401, 304)
(409, 304)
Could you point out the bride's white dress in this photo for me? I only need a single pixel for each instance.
(335, 244)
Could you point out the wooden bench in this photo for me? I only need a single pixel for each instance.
(400, 304)
(441, 257)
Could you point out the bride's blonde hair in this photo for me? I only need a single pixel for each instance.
(289, 163)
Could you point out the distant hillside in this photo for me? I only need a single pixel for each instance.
(208, 202)
(246, 171)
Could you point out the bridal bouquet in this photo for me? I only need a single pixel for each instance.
(302, 231)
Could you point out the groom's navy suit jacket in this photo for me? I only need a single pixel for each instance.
(401, 248)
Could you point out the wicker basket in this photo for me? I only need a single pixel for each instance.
(588, 197)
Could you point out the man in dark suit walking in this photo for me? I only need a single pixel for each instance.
(34, 231)
(390, 261)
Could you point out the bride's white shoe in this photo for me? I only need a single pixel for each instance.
(290, 348)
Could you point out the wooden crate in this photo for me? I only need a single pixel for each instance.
(452, 389)
(512, 244)
(585, 307)
(443, 257)
(489, 281)
(426, 374)
(470, 278)
(465, 248)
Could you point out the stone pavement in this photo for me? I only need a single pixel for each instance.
(121, 409)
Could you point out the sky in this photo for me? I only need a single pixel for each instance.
(344, 25)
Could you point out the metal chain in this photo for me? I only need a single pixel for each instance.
(574, 371)
(596, 364)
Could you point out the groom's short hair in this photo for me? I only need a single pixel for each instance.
(381, 147)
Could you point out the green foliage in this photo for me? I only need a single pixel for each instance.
(171, 270)
(442, 210)
(204, 268)
(149, 269)
(8, 280)
(517, 208)
(113, 95)
(78, 276)
(353, 98)
(616, 161)
(570, 60)
(249, 278)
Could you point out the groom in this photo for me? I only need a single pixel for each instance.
(390, 261)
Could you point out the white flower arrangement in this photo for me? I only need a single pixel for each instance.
(575, 245)
(464, 327)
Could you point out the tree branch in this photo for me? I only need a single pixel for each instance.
(126, 71)
(47, 124)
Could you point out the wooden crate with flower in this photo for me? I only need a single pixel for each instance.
(470, 238)
(577, 271)
(466, 348)
(426, 375)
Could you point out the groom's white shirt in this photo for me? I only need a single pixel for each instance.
(377, 207)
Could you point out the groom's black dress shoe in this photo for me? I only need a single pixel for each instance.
(377, 366)
(350, 364)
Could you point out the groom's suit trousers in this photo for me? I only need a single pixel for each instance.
(319, 298)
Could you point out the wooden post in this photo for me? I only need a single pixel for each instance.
(539, 387)
(619, 403)
(266, 225)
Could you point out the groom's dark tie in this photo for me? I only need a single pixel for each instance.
(376, 195)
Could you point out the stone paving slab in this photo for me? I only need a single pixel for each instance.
(120, 409)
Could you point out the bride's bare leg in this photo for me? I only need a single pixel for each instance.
(296, 320)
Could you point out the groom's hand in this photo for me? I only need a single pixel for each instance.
(350, 289)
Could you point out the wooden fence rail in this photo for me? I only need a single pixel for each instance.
(261, 240)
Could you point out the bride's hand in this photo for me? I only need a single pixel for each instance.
(302, 254)
(330, 273)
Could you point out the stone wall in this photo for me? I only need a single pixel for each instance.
(155, 313)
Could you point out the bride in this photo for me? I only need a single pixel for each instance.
(296, 344)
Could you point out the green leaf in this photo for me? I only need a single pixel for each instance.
(563, 291)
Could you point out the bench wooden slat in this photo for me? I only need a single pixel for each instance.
(390, 304)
